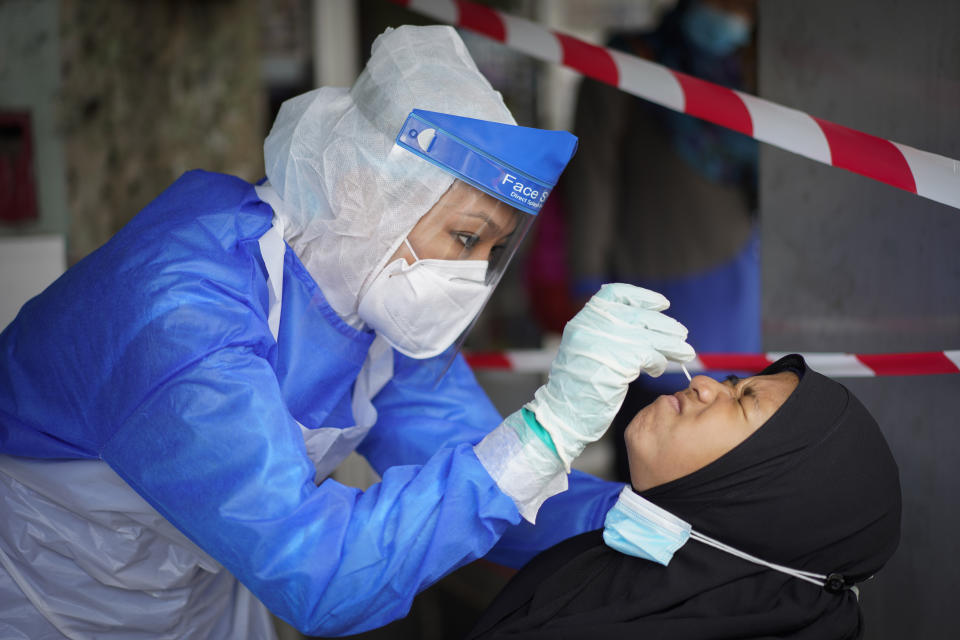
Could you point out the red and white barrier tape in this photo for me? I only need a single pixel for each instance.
(835, 365)
(927, 174)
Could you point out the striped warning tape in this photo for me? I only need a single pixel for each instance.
(837, 365)
(927, 174)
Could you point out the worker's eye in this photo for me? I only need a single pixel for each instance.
(468, 240)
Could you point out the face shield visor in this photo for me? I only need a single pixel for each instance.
(432, 288)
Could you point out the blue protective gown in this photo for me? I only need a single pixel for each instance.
(154, 355)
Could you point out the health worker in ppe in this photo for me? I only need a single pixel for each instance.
(171, 407)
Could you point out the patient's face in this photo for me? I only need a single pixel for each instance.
(678, 434)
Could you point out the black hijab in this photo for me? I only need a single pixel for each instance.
(814, 488)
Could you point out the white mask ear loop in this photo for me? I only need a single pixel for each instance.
(818, 579)
(410, 246)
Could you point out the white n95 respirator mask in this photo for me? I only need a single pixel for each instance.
(422, 308)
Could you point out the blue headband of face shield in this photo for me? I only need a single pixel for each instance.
(637, 527)
(517, 165)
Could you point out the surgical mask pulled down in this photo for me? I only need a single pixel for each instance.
(637, 527)
(422, 308)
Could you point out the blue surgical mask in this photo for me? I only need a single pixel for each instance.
(717, 32)
(637, 527)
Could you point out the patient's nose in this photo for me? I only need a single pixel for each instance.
(707, 388)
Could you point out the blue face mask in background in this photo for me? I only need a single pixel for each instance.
(717, 32)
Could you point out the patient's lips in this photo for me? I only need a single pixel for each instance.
(674, 400)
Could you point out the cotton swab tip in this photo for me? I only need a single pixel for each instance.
(685, 372)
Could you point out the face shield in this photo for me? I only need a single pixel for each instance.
(434, 285)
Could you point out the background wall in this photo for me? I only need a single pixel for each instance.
(850, 264)
(122, 97)
(32, 251)
(30, 83)
(150, 90)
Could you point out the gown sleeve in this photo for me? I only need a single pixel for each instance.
(208, 440)
(417, 416)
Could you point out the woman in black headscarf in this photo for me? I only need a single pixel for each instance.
(786, 466)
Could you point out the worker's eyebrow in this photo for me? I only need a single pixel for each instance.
(486, 219)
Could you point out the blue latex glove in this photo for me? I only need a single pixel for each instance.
(619, 333)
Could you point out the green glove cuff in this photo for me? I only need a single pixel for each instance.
(531, 421)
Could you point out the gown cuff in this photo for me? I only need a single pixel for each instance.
(523, 464)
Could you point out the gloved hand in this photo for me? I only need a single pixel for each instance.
(618, 334)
